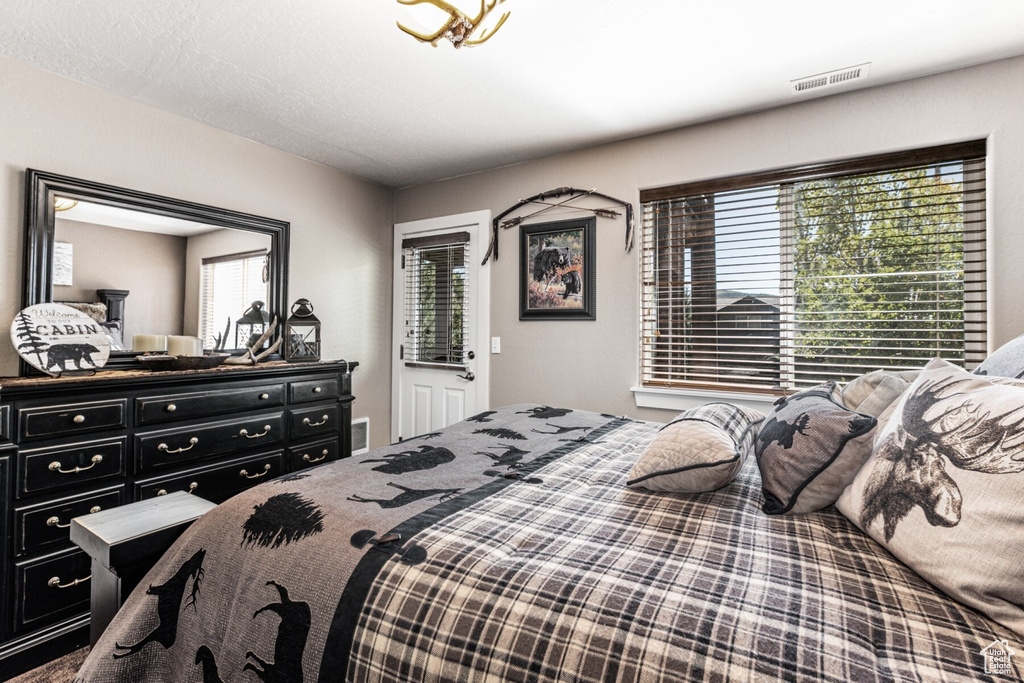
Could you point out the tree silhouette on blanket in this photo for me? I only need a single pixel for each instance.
(939, 422)
(169, 596)
(292, 633)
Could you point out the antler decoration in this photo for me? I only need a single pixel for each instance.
(541, 198)
(250, 357)
(459, 27)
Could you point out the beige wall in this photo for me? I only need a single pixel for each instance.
(154, 275)
(593, 364)
(340, 225)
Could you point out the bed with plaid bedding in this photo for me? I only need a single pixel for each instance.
(507, 548)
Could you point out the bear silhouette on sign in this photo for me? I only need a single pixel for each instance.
(59, 354)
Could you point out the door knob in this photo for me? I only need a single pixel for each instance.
(471, 355)
(469, 376)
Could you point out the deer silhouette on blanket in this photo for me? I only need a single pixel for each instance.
(407, 496)
(169, 596)
(292, 633)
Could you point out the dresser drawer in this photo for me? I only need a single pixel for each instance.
(44, 526)
(313, 390)
(215, 483)
(51, 588)
(157, 409)
(314, 421)
(43, 469)
(314, 453)
(184, 444)
(69, 419)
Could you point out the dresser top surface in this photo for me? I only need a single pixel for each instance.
(143, 376)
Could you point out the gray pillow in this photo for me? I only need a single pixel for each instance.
(1006, 361)
(944, 487)
(703, 449)
(809, 448)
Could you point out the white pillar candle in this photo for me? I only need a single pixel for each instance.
(149, 342)
(184, 346)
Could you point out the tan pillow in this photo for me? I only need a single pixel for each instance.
(703, 449)
(944, 489)
(874, 392)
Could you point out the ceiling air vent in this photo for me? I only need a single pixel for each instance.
(831, 78)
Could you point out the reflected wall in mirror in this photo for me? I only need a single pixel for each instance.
(162, 266)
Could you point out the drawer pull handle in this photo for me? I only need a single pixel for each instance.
(244, 432)
(55, 521)
(55, 582)
(317, 390)
(78, 419)
(191, 444)
(323, 455)
(191, 487)
(55, 466)
(264, 397)
(243, 473)
(171, 408)
(306, 421)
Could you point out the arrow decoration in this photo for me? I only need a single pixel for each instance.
(542, 198)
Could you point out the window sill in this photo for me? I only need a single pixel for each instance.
(684, 399)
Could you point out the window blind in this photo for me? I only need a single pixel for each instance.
(228, 286)
(779, 281)
(436, 302)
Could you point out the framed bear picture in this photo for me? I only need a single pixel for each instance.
(556, 270)
(59, 340)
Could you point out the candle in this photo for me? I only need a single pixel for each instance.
(184, 346)
(149, 342)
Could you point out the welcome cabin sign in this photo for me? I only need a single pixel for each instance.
(57, 339)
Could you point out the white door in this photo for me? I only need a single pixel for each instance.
(440, 367)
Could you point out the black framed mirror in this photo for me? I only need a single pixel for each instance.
(193, 243)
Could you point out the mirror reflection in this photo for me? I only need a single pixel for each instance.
(178, 277)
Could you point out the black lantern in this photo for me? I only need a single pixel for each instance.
(251, 326)
(302, 334)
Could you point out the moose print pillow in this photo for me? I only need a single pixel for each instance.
(809, 449)
(944, 489)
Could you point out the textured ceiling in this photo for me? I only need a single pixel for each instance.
(336, 82)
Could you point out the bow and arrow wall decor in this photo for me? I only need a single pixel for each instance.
(543, 199)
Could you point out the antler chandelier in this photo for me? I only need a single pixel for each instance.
(459, 26)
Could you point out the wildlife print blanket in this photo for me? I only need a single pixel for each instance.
(507, 548)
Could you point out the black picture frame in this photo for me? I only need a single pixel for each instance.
(557, 278)
(42, 187)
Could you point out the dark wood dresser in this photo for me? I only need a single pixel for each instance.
(73, 446)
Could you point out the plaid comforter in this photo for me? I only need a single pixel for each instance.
(557, 573)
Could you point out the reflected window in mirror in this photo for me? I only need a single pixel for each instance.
(230, 284)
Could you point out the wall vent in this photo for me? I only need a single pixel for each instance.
(831, 78)
(360, 435)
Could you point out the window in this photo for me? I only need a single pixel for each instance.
(782, 280)
(228, 287)
(435, 299)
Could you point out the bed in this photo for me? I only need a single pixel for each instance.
(507, 548)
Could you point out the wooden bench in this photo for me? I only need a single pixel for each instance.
(125, 542)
